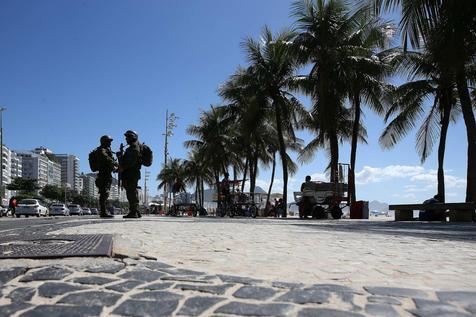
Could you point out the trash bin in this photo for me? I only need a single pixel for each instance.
(359, 210)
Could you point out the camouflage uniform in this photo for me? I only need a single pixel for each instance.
(131, 164)
(104, 179)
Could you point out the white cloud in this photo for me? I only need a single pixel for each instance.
(422, 180)
(378, 174)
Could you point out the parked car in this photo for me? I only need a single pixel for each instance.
(86, 211)
(59, 210)
(75, 209)
(31, 207)
(94, 211)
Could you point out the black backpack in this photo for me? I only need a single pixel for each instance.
(95, 160)
(146, 155)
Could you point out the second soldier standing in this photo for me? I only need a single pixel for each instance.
(130, 166)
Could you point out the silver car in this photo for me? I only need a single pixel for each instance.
(31, 207)
(86, 211)
(75, 209)
(59, 210)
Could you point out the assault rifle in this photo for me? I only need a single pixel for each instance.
(120, 156)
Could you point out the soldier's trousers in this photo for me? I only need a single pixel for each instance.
(103, 183)
(130, 185)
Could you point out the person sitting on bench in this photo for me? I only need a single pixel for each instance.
(432, 215)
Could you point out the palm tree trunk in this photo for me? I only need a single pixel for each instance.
(202, 191)
(217, 181)
(244, 175)
(334, 145)
(271, 183)
(470, 132)
(282, 153)
(353, 150)
(234, 178)
(445, 121)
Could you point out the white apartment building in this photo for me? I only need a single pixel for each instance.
(69, 170)
(39, 167)
(89, 185)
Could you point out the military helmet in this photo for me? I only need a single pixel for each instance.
(105, 139)
(132, 134)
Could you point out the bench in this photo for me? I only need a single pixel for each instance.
(464, 212)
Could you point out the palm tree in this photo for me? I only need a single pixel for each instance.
(326, 40)
(174, 175)
(273, 69)
(427, 80)
(212, 141)
(452, 24)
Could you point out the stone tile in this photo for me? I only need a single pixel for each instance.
(429, 304)
(438, 313)
(125, 286)
(22, 294)
(142, 275)
(334, 288)
(460, 297)
(471, 308)
(157, 296)
(93, 298)
(396, 292)
(9, 274)
(52, 289)
(182, 272)
(106, 268)
(383, 300)
(212, 289)
(254, 292)
(287, 285)
(326, 312)
(158, 286)
(155, 265)
(47, 273)
(245, 309)
(9, 310)
(146, 308)
(238, 279)
(196, 305)
(305, 296)
(381, 310)
(434, 308)
(192, 279)
(93, 280)
(63, 311)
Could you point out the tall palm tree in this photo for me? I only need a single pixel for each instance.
(273, 69)
(325, 40)
(452, 23)
(427, 80)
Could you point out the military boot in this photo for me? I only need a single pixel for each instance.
(133, 213)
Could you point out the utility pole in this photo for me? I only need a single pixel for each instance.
(169, 126)
(2, 192)
(146, 177)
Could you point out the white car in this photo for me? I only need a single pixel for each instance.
(31, 207)
(86, 211)
(75, 209)
(59, 210)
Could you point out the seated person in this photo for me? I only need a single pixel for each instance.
(308, 184)
(432, 215)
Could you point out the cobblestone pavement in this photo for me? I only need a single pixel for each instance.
(140, 285)
(127, 287)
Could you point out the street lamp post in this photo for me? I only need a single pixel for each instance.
(1, 150)
(169, 126)
(146, 177)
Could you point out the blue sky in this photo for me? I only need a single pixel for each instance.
(71, 71)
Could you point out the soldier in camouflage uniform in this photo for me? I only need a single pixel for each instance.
(130, 173)
(107, 165)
